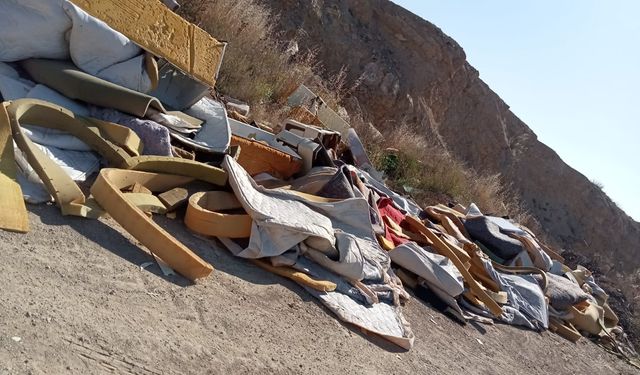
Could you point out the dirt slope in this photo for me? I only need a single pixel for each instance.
(73, 292)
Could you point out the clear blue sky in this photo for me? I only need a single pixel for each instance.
(569, 69)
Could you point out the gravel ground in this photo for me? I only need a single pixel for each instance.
(74, 300)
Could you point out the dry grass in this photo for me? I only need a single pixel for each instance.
(258, 67)
(434, 175)
(255, 66)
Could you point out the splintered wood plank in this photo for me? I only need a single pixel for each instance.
(13, 213)
(158, 30)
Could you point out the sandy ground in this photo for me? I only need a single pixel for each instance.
(74, 300)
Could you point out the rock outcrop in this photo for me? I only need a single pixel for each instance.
(411, 71)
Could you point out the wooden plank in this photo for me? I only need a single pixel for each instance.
(155, 28)
(13, 213)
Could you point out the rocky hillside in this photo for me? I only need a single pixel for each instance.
(412, 72)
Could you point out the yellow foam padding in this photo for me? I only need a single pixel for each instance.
(146, 202)
(155, 28)
(256, 157)
(394, 228)
(385, 243)
(448, 211)
(444, 249)
(450, 221)
(180, 167)
(564, 329)
(151, 66)
(479, 273)
(120, 135)
(66, 192)
(297, 276)
(203, 217)
(500, 297)
(13, 213)
(97, 134)
(586, 316)
(106, 191)
(288, 272)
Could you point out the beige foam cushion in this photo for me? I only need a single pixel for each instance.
(158, 30)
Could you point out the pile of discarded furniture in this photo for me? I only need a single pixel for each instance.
(94, 98)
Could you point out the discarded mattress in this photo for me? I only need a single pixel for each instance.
(383, 319)
(69, 32)
(349, 303)
(76, 164)
(484, 230)
(527, 304)
(329, 230)
(434, 268)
